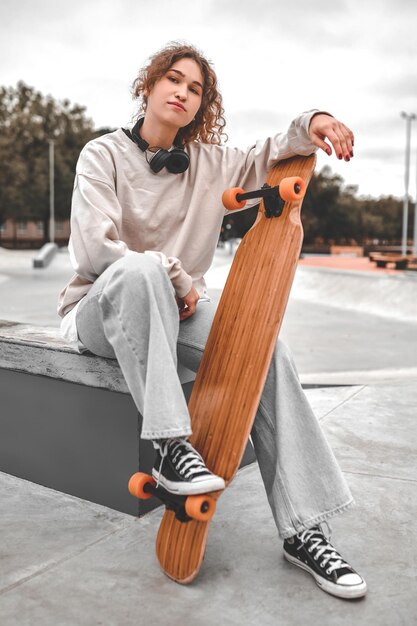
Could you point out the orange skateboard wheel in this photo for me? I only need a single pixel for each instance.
(292, 188)
(200, 508)
(137, 484)
(230, 202)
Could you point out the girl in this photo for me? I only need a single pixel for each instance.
(146, 217)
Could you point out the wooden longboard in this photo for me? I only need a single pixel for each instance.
(233, 370)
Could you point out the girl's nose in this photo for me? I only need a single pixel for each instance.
(181, 93)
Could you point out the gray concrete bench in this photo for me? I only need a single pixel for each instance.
(67, 420)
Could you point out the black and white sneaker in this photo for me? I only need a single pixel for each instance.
(181, 470)
(311, 551)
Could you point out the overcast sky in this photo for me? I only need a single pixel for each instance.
(354, 58)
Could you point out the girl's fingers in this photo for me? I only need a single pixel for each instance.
(339, 135)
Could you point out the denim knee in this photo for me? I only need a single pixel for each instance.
(135, 272)
(282, 352)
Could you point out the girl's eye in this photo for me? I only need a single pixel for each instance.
(173, 79)
(197, 91)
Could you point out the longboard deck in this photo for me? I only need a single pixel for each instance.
(233, 370)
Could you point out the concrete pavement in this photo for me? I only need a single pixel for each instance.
(66, 561)
(73, 563)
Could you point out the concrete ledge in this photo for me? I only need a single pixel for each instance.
(41, 350)
(45, 255)
(68, 421)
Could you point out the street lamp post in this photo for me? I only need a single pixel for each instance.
(51, 191)
(414, 251)
(409, 117)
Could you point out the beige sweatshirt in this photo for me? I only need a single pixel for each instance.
(120, 207)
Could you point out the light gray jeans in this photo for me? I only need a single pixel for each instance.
(131, 314)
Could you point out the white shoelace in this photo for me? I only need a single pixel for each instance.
(324, 549)
(190, 462)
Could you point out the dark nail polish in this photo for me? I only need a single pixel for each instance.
(340, 156)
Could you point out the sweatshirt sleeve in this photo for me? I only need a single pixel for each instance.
(249, 168)
(181, 281)
(96, 223)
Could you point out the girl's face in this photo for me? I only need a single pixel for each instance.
(176, 97)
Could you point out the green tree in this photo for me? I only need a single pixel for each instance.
(382, 219)
(329, 212)
(28, 122)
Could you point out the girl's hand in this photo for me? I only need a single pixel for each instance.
(324, 126)
(188, 303)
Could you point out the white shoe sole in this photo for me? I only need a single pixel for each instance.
(190, 489)
(341, 591)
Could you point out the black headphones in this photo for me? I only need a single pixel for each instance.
(175, 160)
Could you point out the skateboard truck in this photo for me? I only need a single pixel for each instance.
(273, 202)
(289, 190)
(198, 507)
(172, 501)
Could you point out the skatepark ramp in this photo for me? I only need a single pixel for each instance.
(385, 295)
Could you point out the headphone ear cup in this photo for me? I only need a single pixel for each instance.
(178, 161)
(158, 161)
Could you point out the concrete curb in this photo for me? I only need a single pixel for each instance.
(45, 255)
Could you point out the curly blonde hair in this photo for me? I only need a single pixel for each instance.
(208, 124)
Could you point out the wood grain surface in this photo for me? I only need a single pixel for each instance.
(236, 360)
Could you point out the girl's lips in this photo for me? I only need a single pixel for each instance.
(177, 105)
